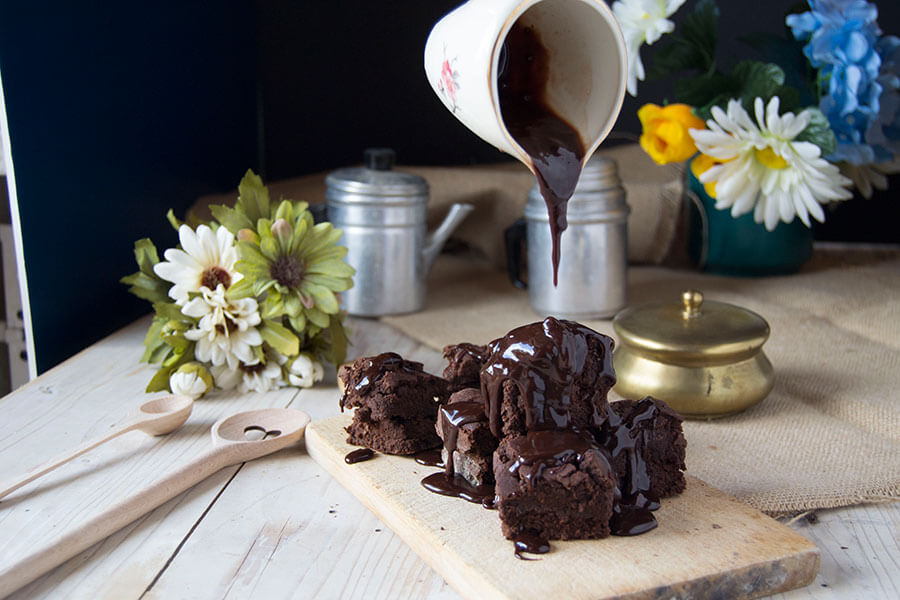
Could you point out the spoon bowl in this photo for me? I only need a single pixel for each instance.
(255, 433)
(163, 415)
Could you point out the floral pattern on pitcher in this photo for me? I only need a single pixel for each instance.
(448, 83)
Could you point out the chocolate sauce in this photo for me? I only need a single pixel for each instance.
(540, 450)
(530, 543)
(430, 458)
(456, 486)
(358, 456)
(375, 368)
(544, 360)
(453, 416)
(554, 146)
(631, 512)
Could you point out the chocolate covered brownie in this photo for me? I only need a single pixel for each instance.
(553, 374)
(468, 443)
(554, 484)
(464, 361)
(646, 443)
(396, 403)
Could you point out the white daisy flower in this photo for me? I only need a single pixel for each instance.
(304, 371)
(206, 260)
(261, 377)
(226, 332)
(767, 171)
(642, 22)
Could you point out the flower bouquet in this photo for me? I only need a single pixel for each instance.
(248, 300)
(783, 136)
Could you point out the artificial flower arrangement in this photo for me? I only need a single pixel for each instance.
(248, 300)
(782, 136)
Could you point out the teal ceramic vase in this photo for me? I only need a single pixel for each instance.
(720, 243)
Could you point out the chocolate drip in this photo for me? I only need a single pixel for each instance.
(456, 486)
(453, 417)
(374, 369)
(430, 458)
(540, 450)
(531, 543)
(631, 512)
(360, 455)
(544, 360)
(556, 149)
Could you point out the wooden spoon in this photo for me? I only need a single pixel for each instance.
(156, 417)
(277, 428)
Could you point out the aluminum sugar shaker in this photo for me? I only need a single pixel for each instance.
(382, 215)
(594, 248)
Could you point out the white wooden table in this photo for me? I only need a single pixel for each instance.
(278, 527)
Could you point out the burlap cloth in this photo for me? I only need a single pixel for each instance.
(829, 433)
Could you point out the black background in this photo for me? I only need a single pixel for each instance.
(120, 111)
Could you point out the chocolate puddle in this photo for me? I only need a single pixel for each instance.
(357, 456)
(429, 458)
(531, 543)
(556, 149)
(456, 486)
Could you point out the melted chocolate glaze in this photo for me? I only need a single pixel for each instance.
(531, 543)
(456, 486)
(453, 417)
(544, 360)
(430, 458)
(360, 455)
(374, 369)
(631, 512)
(540, 450)
(554, 146)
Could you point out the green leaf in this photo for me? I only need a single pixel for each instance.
(146, 256)
(160, 381)
(279, 337)
(179, 343)
(170, 311)
(241, 289)
(692, 47)
(819, 133)
(339, 342)
(233, 220)
(173, 220)
(148, 288)
(292, 305)
(298, 323)
(153, 342)
(253, 197)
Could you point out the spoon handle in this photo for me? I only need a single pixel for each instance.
(12, 485)
(41, 559)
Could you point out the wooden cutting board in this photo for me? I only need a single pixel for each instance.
(708, 544)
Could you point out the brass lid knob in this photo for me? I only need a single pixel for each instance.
(693, 332)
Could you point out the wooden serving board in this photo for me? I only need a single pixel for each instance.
(708, 544)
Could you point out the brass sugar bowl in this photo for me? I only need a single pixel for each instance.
(704, 359)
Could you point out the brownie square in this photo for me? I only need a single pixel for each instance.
(553, 374)
(651, 429)
(392, 435)
(464, 362)
(392, 387)
(555, 484)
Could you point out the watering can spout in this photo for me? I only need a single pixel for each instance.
(436, 239)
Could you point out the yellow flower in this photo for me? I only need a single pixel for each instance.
(700, 165)
(665, 137)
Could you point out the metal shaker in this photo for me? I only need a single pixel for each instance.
(382, 215)
(593, 262)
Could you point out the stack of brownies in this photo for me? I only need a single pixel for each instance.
(528, 413)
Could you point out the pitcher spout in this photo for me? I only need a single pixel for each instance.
(436, 239)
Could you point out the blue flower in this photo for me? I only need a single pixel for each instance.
(859, 76)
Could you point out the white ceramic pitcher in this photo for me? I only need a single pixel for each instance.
(587, 68)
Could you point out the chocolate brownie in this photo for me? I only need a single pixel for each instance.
(389, 386)
(553, 374)
(555, 485)
(396, 403)
(646, 443)
(468, 442)
(464, 362)
(392, 435)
